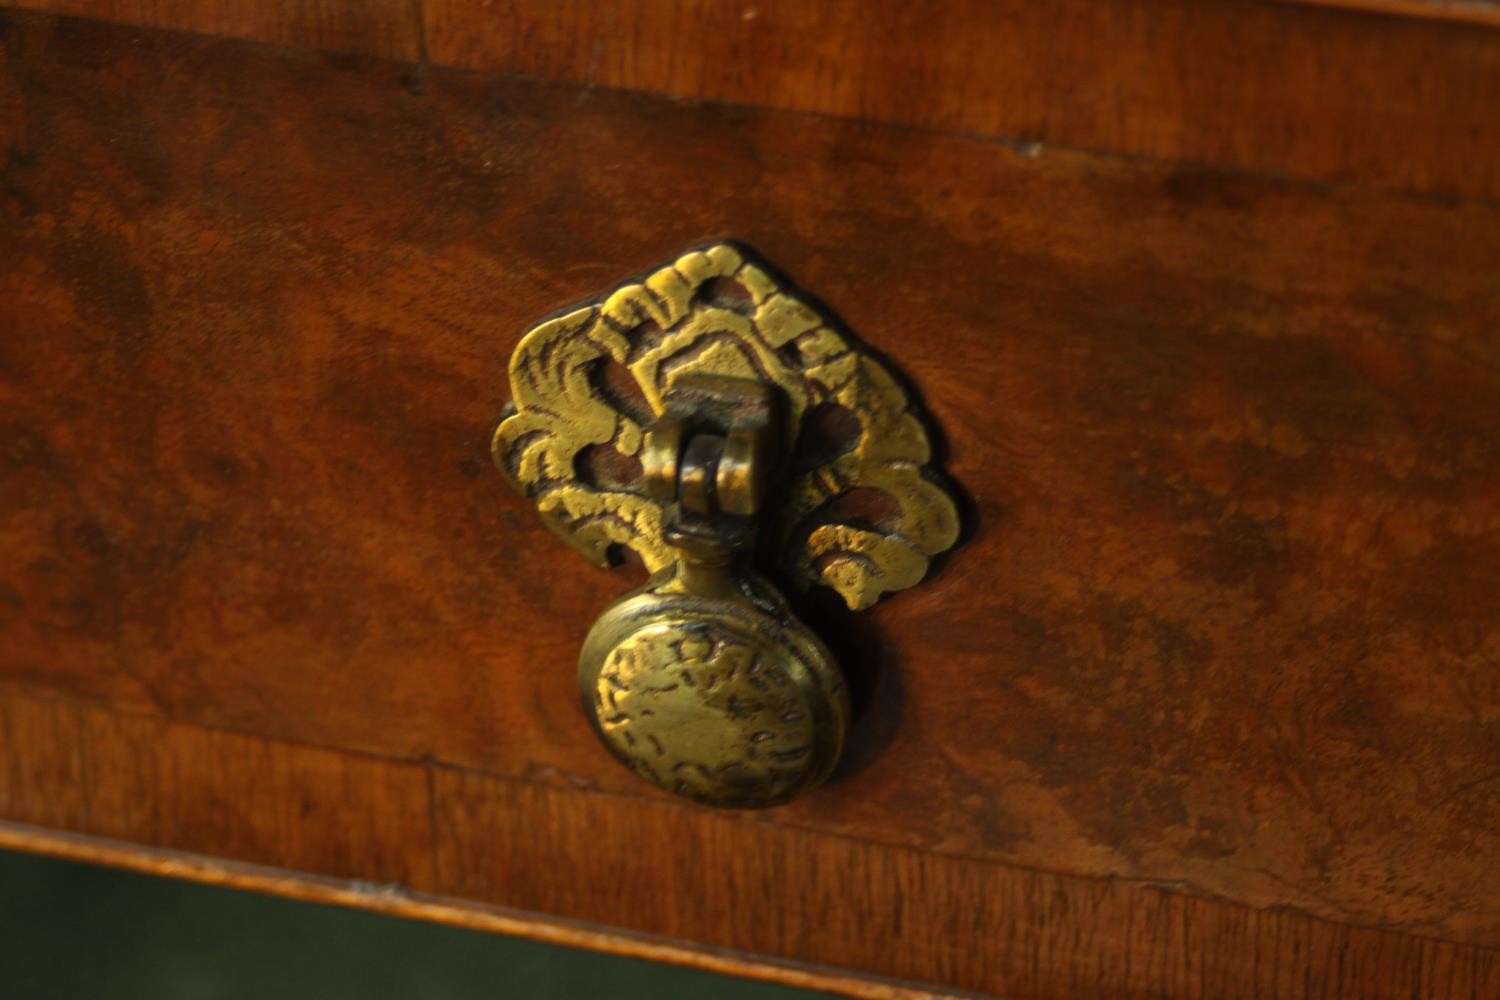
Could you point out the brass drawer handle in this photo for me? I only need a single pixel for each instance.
(680, 416)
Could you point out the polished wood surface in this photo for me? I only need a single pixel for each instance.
(389, 28)
(1203, 705)
(551, 858)
(1486, 12)
(1297, 90)
(1397, 93)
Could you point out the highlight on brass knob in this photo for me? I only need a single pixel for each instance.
(686, 416)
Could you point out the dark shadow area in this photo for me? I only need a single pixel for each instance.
(870, 668)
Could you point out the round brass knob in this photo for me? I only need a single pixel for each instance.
(721, 697)
(703, 682)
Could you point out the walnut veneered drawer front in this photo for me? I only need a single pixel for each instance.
(1191, 690)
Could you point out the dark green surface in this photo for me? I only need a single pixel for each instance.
(74, 931)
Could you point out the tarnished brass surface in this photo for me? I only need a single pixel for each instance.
(714, 691)
(733, 394)
(713, 311)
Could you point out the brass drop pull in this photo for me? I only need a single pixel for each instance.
(703, 681)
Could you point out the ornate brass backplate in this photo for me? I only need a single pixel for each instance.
(675, 417)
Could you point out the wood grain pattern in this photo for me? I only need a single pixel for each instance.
(1386, 92)
(389, 900)
(1224, 620)
(806, 896)
(733, 884)
(1298, 90)
(387, 28)
(41, 764)
(79, 768)
(1486, 12)
(334, 814)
